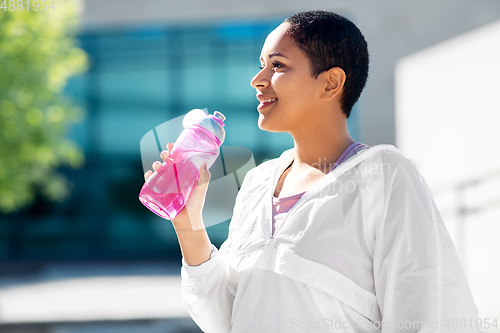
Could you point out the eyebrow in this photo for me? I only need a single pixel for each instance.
(276, 54)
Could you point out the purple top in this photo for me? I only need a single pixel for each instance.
(282, 205)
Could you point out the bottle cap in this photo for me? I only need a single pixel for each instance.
(213, 123)
(219, 115)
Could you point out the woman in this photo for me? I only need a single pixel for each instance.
(333, 236)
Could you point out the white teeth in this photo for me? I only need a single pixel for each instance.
(269, 100)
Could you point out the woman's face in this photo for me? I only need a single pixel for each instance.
(285, 87)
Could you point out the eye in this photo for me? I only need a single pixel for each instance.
(277, 65)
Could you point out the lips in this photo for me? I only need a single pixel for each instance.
(265, 101)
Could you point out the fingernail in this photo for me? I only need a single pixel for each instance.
(205, 166)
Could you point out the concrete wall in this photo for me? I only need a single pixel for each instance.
(447, 116)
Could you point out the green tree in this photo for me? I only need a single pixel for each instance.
(38, 54)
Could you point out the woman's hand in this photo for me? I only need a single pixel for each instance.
(188, 224)
(193, 209)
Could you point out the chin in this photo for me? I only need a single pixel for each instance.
(267, 125)
(263, 123)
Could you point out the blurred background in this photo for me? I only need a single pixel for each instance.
(82, 82)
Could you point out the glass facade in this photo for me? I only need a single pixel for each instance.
(139, 78)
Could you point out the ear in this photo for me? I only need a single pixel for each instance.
(334, 83)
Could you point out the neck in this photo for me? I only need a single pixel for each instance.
(320, 145)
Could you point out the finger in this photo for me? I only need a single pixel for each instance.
(170, 145)
(204, 175)
(148, 174)
(156, 165)
(164, 155)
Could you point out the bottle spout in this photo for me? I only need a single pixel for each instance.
(219, 115)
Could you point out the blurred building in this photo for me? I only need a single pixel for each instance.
(154, 60)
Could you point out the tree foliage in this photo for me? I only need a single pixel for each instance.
(38, 54)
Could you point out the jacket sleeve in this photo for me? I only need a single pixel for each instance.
(206, 292)
(209, 289)
(419, 281)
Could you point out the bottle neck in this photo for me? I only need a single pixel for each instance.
(209, 134)
(217, 120)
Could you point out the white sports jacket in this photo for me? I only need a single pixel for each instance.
(364, 250)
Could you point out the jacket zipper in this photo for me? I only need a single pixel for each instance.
(270, 205)
(270, 208)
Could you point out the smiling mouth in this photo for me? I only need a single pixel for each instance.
(265, 103)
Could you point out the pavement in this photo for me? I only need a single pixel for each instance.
(95, 297)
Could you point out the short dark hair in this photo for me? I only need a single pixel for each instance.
(331, 40)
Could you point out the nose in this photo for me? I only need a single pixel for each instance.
(260, 80)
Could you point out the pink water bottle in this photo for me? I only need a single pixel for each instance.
(167, 190)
